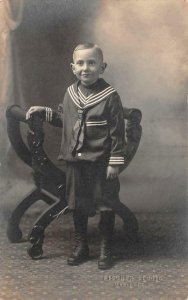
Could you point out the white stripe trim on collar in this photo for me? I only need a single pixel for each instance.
(91, 103)
(98, 95)
(73, 96)
(103, 91)
(92, 100)
(83, 96)
(93, 97)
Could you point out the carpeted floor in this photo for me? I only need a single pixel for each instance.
(154, 268)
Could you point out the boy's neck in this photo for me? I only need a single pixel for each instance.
(91, 85)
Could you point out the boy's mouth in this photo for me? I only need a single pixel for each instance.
(85, 74)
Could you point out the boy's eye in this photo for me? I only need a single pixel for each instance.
(92, 63)
(80, 63)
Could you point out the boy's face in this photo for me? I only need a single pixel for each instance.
(88, 65)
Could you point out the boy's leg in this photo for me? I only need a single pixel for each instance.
(81, 250)
(106, 227)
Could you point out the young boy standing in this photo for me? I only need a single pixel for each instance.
(93, 141)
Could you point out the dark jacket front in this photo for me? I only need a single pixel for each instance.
(93, 126)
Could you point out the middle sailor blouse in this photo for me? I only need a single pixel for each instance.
(93, 124)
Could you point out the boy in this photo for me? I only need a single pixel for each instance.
(93, 140)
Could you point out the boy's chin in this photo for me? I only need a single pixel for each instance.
(88, 82)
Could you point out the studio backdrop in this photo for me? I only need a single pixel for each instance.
(144, 44)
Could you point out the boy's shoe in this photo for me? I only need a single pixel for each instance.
(78, 257)
(81, 251)
(105, 263)
(106, 227)
(105, 260)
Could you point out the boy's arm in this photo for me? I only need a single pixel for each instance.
(117, 135)
(55, 118)
(51, 116)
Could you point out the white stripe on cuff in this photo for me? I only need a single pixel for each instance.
(48, 114)
(116, 160)
(116, 163)
(94, 123)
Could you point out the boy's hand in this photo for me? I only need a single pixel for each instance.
(112, 172)
(34, 109)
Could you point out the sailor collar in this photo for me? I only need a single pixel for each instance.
(100, 93)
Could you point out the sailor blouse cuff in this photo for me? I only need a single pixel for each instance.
(116, 160)
(48, 115)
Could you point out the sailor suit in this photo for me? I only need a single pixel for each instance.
(93, 137)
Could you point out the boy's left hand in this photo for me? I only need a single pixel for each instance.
(112, 172)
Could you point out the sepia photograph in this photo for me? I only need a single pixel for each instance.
(93, 149)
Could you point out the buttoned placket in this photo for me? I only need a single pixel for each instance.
(81, 117)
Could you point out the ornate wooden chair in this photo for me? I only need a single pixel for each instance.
(50, 180)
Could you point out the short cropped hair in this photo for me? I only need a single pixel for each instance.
(88, 46)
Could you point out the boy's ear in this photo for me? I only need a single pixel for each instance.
(103, 67)
(72, 67)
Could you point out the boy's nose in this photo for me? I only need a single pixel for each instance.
(85, 66)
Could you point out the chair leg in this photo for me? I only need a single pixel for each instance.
(130, 222)
(14, 233)
(36, 235)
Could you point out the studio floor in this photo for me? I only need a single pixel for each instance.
(154, 268)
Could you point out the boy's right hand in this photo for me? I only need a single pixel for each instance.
(34, 109)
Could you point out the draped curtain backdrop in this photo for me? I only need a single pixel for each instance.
(145, 47)
(11, 13)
